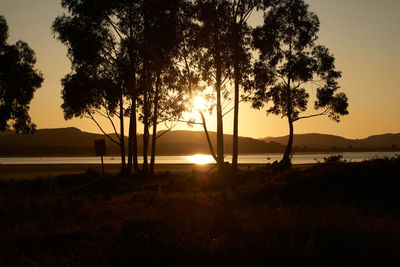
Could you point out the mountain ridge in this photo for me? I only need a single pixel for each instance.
(317, 140)
(73, 141)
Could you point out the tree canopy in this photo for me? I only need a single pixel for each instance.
(290, 59)
(18, 83)
(142, 62)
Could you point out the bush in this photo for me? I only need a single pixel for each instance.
(334, 159)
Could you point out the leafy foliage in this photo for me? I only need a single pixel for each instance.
(94, 80)
(290, 59)
(18, 82)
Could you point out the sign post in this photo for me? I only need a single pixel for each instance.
(100, 149)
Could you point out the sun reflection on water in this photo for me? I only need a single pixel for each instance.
(200, 159)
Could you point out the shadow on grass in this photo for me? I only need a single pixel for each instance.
(332, 214)
(370, 185)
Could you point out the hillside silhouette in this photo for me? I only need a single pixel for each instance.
(327, 141)
(73, 142)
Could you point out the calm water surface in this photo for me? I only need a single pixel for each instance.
(202, 159)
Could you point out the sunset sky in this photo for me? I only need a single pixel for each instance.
(363, 35)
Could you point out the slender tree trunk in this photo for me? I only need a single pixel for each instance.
(122, 142)
(146, 87)
(153, 148)
(145, 147)
(146, 120)
(132, 139)
(286, 161)
(220, 129)
(132, 123)
(145, 132)
(130, 143)
(133, 150)
(155, 118)
(235, 139)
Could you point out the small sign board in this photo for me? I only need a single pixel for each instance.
(100, 147)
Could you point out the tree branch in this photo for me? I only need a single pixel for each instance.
(101, 129)
(166, 131)
(208, 136)
(313, 115)
(191, 122)
(113, 125)
(223, 115)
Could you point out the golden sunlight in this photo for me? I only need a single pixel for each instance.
(200, 159)
(199, 103)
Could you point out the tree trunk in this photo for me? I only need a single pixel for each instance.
(122, 135)
(220, 129)
(132, 139)
(153, 148)
(208, 136)
(155, 118)
(146, 86)
(145, 133)
(130, 143)
(286, 161)
(235, 139)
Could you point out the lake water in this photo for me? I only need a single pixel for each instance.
(202, 159)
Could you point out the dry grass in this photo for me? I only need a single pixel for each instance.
(329, 215)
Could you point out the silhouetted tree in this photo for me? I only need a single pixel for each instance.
(240, 36)
(289, 60)
(132, 49)
(126, 23)
(168, 105)
(18, 82)
(188, 68)
(95, 85)
(158, 43)
(213, 17)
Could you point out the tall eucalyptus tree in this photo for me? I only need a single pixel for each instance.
(240, 46)
(98, 37)
(216, 64)
(290, 59)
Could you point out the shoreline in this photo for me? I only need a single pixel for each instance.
(227, 154)
(34, 171)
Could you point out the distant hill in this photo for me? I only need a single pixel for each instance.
(384, 140)
(74, 142)
(325, 141)
(51, 137)
(187, 141)
(49, 142)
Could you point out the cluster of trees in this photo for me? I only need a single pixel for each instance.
(147, 59)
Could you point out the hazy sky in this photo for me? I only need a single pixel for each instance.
(363, 35)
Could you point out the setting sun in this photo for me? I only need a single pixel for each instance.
(200, 159)
(199, 103)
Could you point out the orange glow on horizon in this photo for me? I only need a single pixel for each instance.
(200, 159)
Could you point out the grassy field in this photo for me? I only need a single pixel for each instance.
(332, 214)
(33, 171)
